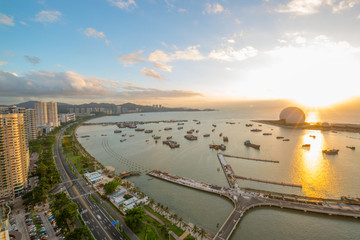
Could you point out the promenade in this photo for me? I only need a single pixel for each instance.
(246, 199)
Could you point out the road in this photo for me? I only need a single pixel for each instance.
(94, 216)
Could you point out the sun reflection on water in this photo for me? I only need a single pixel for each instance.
(314, 170)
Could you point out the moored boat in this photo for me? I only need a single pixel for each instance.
(190, 137)
(225, 139)
(206, 135)
(351, 147)
(249, 144)
(330, 151)
(218, 147)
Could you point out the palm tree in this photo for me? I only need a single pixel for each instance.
(181, 221)
(202, 233)
(195, 229)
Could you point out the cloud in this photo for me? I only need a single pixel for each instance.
(182, 10)
(231, 54)
(90, 32)
(123, 4)
(306, 7)
(163, 66)
(2, 63)
(135, 92)
(48, 16)
(6, 20)
(190, 53)
(132, 58)
(159, 56)
(24, 23)
(214, 9)
(33, 60)
(52, 84)
(151, 73)
(237, 21)
(69, 84)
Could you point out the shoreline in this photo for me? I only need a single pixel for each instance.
(355, 128)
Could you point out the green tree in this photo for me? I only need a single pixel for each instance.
(110, 187)
(79, 233)
(134, 218)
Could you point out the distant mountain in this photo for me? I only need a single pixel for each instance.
(126, 107)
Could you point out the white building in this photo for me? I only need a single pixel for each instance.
(67, 117)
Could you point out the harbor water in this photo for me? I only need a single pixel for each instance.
(330, 176)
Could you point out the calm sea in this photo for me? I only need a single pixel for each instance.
(320, 175)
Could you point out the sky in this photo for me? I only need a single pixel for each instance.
(180, 53)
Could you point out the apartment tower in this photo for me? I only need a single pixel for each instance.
(41, 113)
(14, 155)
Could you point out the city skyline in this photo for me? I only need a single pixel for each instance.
(179, 53)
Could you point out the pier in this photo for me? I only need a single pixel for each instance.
(270, 182)
(253, 159)
(246, 199)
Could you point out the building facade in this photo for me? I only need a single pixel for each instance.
(52, 114)
(14, 155)
(41, 113)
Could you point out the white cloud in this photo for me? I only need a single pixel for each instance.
(159, 56)
(182, 10)
(48, 16)
(214, 9)
(90, 32)
(231, 54)
(23, 23)
(237, 21)
(33, 60)
(136, 92)
(6, 20)
(151, 73)
(301, 7)
(123, 4)
(163, 66)
(69, 84)
(2, 63)
(190, 53)
(306, 7)
(132, 58)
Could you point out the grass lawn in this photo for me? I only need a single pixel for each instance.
(173, 228)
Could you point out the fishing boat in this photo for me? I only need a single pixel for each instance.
(286, 140)
(148, 131)
(213, 130)
(214, 125)
(249, 144)
(267, 134)
(206, 135)
(122, 140)
(312, 136)
(117, 131)
(190, 131)
(218, 147)
(248, 125)
(168, 138)
(190, 137)
(197, 131)
(225, 139)
(351, 147)
(220, 135)
(157, 137)
(255, 130)
(168, 128)
(172, 144)
(279, 137)
(307, 145)
(139, 129)
(330, 151)
(179, 128)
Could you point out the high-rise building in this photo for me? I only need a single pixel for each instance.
(52, 114)
(14, 155)
(46, 114)
(41, 113)
(30, 124)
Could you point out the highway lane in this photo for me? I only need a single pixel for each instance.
(95, 217)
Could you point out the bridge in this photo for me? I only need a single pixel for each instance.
(245, 199)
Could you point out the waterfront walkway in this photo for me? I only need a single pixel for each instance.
(245, 199)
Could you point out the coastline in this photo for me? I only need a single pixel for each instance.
(316, 126)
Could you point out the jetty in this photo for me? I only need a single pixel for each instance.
(245, 199)
(270, 182)
(253, 159)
